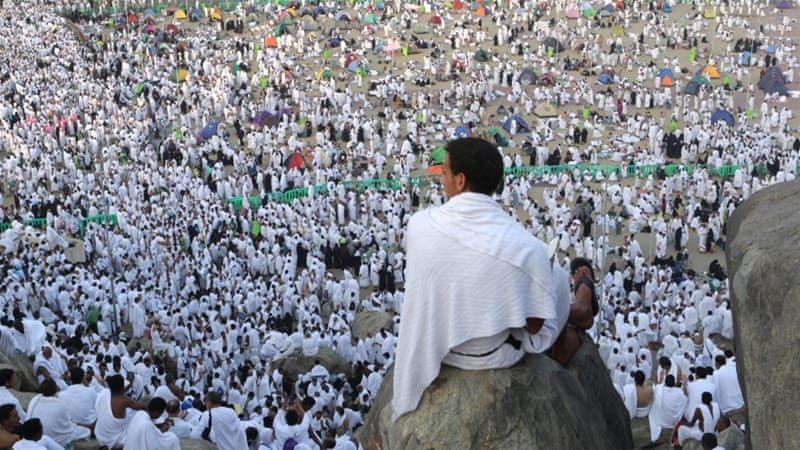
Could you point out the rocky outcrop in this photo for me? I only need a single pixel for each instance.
(26, 380)
(536, 404)
(294, 365)
(763, 257)
(371, 322)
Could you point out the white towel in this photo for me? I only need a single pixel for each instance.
(472, 272)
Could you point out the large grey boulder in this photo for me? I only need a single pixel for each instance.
(763, 257)
(26, 380)
(294, 365)
(537, 404)
(371, 322)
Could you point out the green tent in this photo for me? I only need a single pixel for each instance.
(327, 73)
(370, 19)
(280, 29)
(481, 56)
(287, 20)
(701, 80)
(438, 154)
(422, 29)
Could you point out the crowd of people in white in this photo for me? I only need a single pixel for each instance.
(92, 122)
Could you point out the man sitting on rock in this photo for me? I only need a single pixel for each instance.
(7, 381)
(581, 314)
(478, 286)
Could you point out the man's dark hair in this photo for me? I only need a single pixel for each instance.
(5, 376)
(48, 388)
(214, 398)
(579, 262)
(116, 384)
(720, 359)
(669, 381)
(5, 411)
(638, 377)
(157, 405)
(706, 397)
(664, 362)
(479, 161)
(251, 433)
(76, 375)
(292, 418)
(173, 407)
(31, 430)
(709, 441)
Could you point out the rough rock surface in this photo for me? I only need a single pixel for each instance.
(371, 322)
(536, 404)
(298, 363)
(763, 258)
(24, 367)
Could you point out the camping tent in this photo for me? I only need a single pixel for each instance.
(553, 43)
(546, 79)
(481, 56)
(180, 15)
(215, 14)
(701, 80)
(435, 20)
(709, 71)
(438, 154)
(370, 19)
(545, 110)
(691, 88)
(195, 14)
(271, 42)
(783, 4)
(463, 131)
(179, 75)
(295, 161)
(522, 125)
(724, 116)
(772, 81)
(343, 16)
(667, 81)
(499, 139)
(605, 78)
(666, 71)
(209, 131)
(422, 29)
(349, 58)
(528, 76)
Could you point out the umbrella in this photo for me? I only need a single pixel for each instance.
(666, 71)
(605, 78)
(435, 20)
(784, 4)
(528, 76)
(573, 13)
(691, 88)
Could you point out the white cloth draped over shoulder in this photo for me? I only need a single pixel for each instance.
(473, 272)
(143, 435)
(109, 430)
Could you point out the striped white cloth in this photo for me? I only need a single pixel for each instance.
(473, 272)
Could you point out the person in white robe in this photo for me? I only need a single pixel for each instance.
(704, 420)
(729, 392)
(55, 416)
(148, 429)
(223, 422)
(81, 398)
(7, 382)
(635, 396)
(669, 403)
(50, 366)
(474, 276)
(109, 429)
